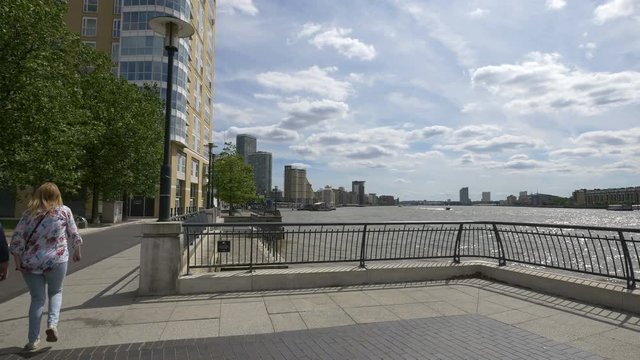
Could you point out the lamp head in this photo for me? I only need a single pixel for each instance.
(172, 28)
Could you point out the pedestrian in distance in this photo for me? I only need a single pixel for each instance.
(39, 245)
(4, 255)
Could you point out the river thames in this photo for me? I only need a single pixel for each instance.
(586, 217)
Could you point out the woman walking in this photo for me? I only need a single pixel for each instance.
(39, 246)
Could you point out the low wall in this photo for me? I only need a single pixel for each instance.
(162, 259)
(588, 291)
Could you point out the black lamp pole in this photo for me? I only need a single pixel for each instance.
(165, 172)
(210, 183)
(172, 28)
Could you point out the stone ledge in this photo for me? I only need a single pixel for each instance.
(585, 290)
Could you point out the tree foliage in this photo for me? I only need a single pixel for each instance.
(39, 95)
(233, 178)
(64, 116)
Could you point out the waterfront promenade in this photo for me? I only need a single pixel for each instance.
(103, 318)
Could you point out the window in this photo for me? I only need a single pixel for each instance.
(179, 194)
(182, 163)
(196, 134)
(116, 28)
(115, 52)
(91, 44)
(116, 6)
(195, 168)
(89, 26)
(90, 6)
(193, 195)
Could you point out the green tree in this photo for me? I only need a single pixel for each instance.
(42, 125)
(126, 137)
(233, 179)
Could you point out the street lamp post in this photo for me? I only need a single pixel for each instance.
(210, 182)
(173, 29)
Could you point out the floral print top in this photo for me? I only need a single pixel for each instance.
(48, 245)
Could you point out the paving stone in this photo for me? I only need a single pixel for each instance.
(444, 337)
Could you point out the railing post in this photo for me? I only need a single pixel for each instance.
(502, 261)
(188, 244)
(251, 251)
(456, 250)
(628, 265)
(363, 246)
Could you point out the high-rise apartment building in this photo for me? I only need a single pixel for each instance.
(327, 195)
(357, 188)
(121, 28)
(297, 188)
(486, 196)
(245, 145)
(523, 197)
(260, 161)
(464, 196)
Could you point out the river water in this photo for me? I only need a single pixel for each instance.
(586, 217)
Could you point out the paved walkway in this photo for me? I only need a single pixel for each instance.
(102, 318)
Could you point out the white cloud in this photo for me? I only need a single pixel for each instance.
(305, 113)
(615, 9)
(589, 49)
(582, 152)
(368, 152)
(477, 131)
(542, 83)
(233, 115)
(231, 6)
(609, 137)
(338, 39)
(425, 155)
(266, 133)
(555, 4)
(309, 29)
(471, 107)
(438, 30)
(478, 13)
(494, 144)
(300, 166)
(408, 102)
(401, 181)
(427, 132)
(522, 162)
(314, 80)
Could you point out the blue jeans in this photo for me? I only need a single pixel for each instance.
(36, 282)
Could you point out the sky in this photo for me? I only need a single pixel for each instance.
(422, 98)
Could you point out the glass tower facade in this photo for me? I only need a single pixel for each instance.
(121, 28)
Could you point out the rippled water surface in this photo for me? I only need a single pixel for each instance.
(588, 217)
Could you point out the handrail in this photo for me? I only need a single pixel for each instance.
(601, 251)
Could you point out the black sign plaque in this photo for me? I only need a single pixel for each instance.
(224, 245)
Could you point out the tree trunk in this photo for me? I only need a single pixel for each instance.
(125, 206)
(95, 219)
(231, 210)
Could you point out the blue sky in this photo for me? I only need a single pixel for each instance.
(421, 98)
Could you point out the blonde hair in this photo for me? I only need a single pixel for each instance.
(46, 198)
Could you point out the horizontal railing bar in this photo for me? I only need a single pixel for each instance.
(560, 226)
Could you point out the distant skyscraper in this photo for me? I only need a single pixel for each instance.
(464, 196)
(357, 187)
(260, 161)
(486, 196)
(245, 145)
(297, 188)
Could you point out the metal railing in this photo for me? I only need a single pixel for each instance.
(180, 213)
(607, 252)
